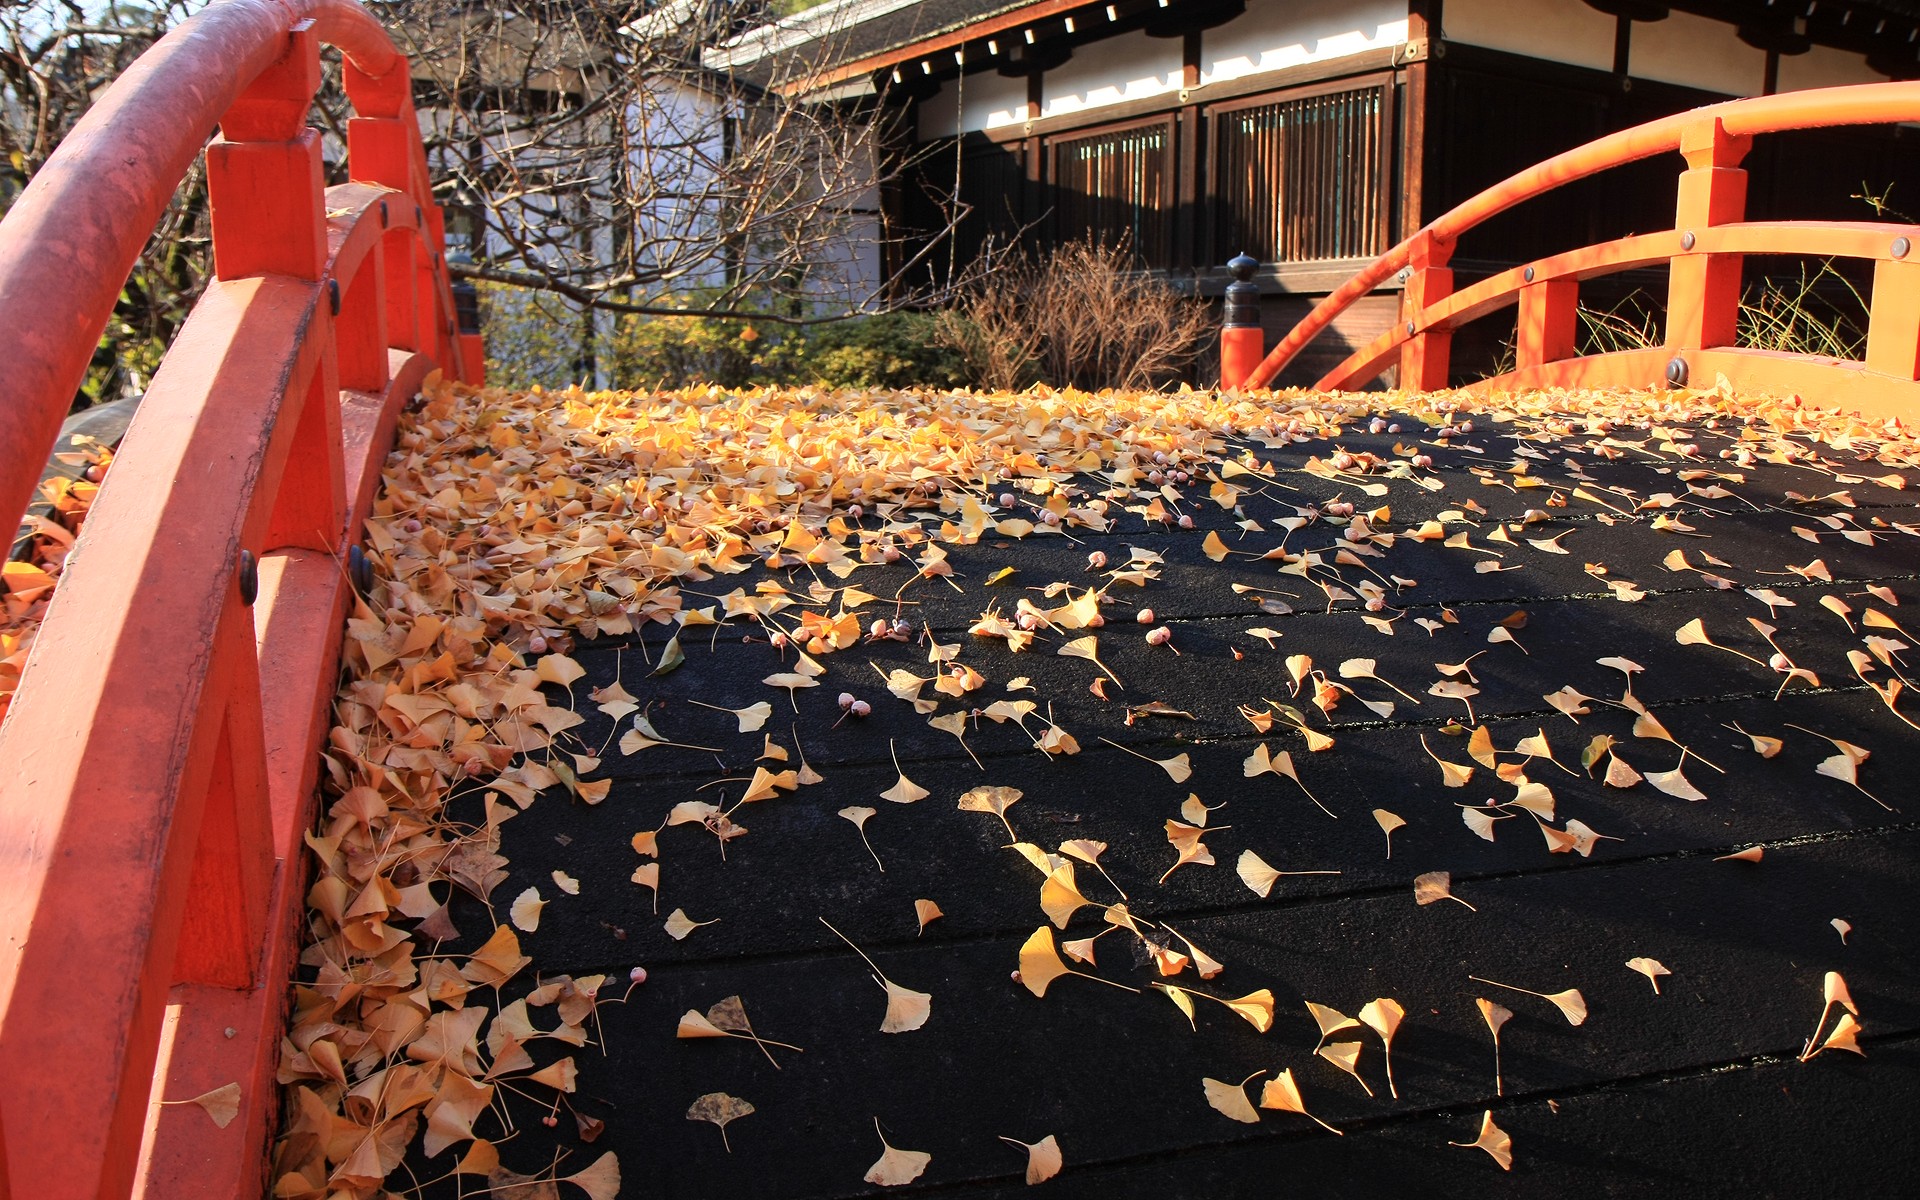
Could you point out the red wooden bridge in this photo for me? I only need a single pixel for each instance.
(161, 753)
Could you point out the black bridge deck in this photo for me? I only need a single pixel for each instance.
(1695, 1089)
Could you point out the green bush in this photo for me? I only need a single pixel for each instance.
(531, 337)
(649, 351)
(536, 339)
(892, 350)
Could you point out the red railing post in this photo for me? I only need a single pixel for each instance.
(360, 331)
(1242, 341)
(1548, 322)
(264, 174)
(266, 189)
(221, 933)
(381, 140)
(1703, 290)
(1425, 355)
(1893, 320)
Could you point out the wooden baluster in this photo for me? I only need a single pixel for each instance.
(265, 187)
(1703, 291)
(380, 149)
(1893, 321)
(1549, 320)
(310, 507)
(398, 251)
(360, 332)
(264, 181)
(1425, 355)
(225, 913)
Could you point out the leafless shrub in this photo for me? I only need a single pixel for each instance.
(1084, 316)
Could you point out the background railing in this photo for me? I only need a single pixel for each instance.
(1705, 250)
(151, 806)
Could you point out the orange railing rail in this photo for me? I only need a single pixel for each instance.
(152, 807)
(1706, 249)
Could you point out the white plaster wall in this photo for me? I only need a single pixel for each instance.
(847, 272)
(1129, 67)
(988, 100)
(1823, 66)
(1566, 31)
(677, 137)
(1695, 52)
(1273, 34)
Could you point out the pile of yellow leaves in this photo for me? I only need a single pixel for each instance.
(511, 524)
(26, 586)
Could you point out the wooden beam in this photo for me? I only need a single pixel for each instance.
(1022, 16)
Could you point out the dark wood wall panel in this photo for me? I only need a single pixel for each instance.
(1116, 188)
(1366, 320)
(1302, 179)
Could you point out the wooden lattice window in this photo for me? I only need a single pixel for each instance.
(1304, 177)
(1116, 185)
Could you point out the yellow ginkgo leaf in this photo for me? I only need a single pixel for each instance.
(1330, 1020)
(907, 1010)
(995, 800)
(860, 814)
(1493, 1140)
(1282, 1093)
(1383, 1016)
(1651, 968)
(679, 924)
(525, 912)
(601, 1179)
(1230, 1099)
(1182, 999)
(1060, 896)
(1388, 822)
(904, 790)
(1572, 1005)
(221, 1105)
(1043, 1158)
(1452, 774)
(1435, 886)
(927, 912)
(1346, 1056)
(1495, 1016)
(720, 1109)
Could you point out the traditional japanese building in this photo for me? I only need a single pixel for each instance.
(1313, 134)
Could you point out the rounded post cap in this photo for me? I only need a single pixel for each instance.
(1242, 267)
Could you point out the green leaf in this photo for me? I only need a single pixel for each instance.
(670, 658)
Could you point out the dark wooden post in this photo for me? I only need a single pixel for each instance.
(1242, 342)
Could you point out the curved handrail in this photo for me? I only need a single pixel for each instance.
(69, 241)
(162, 748)
(1707, 136)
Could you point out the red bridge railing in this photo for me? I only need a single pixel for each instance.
(152, 807)
(1706, 249)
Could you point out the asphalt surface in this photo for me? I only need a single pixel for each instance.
(1693, 1089)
